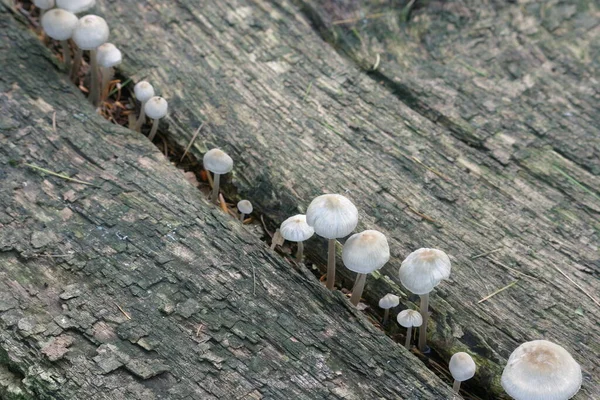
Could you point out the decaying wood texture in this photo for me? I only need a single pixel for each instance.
(469, 126)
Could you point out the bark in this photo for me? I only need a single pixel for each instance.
(475, 134)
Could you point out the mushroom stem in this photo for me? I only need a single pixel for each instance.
(242, 217)
(386, 315)
(153, 130)
(456, 386)
(300, 252)
(66, 53)
(357, 291)
(107, 76)
(330, 264)
(76, 65)
(94, 71)
(408, 337)
(215, 193)
(141, 119)
(423, 329)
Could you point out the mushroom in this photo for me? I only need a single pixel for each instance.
(75, 6)
(244, 207)
(156, 108)
(409, 319)
(143, 92)
(108, 57)
(91, 31)
(364, 253)
(541, 370)
(462, 367)
(295, 229)
(43, 5)
(332, 216)
(388, 301)
(219, 163)
(420, 272)
(59, 25)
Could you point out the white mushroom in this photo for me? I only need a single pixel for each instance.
(387, 302)
(295, 229)
(43, 5)
(541, 370)
(332, 216)
(420, 272)
(409, 319)
(364, 253)
(156, 108)
(244, 207)
(143, 92)
(109, 56)
(462, 367)
(76, 6)
(219, 163)
(59, 25)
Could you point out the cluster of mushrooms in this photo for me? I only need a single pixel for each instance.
(536, 370)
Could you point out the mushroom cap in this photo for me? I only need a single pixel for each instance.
(156, 107)
(76, 6)
(462, 367)
(410, 318)
(217, 162)
(541, 370)
(108, 55)
(295, 229)
(389, 301)
(245, 207)
(143, 91)
(59, 24)
(44, 4)
(91, 31)
(423, 269)
(366, 252)
(332, 216)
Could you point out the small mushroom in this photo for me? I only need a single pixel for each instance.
(245, 208)
(156, 108)
(462, 367)
(108, 57)
(409, 319)
(541, 370)
(332, 216)
(75, 6)
(420, 272)
(143, 92)
(91, 31)
(295, 229)
(387, 302)
(364, 253)
(43, 5)
(219, 163)
(59, 25)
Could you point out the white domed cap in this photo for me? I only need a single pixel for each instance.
(389, 301)
(245, 207)
(59, 24)
(462, 367)
(156, 107)
(423, 269)
(108, 55)
(366, 252)
(217, 162)
(76, 6)
(410, 318)
(143, 91)
(91, 31)
(332, 216)
(541, 370)
(295, 229)
(44, 4)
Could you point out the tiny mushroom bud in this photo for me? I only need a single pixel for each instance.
(388, 301)
(409, 319)
(295, 229)
(462, 367)
(332, 216)
(143, 92)
(76, 6)
(156, 108)
(541, 370)
(364, 253)
(219, 163)
(108, 57)
(44, 5)
(245, 208)
(59, 25)
(91, 31)
(420, 272)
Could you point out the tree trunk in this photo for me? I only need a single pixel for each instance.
(474, 134)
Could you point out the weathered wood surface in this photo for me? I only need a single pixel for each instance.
(442, 146)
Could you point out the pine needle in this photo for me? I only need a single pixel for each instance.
(65, 177)
(191, 141)
(578, 286)
(489, 296)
